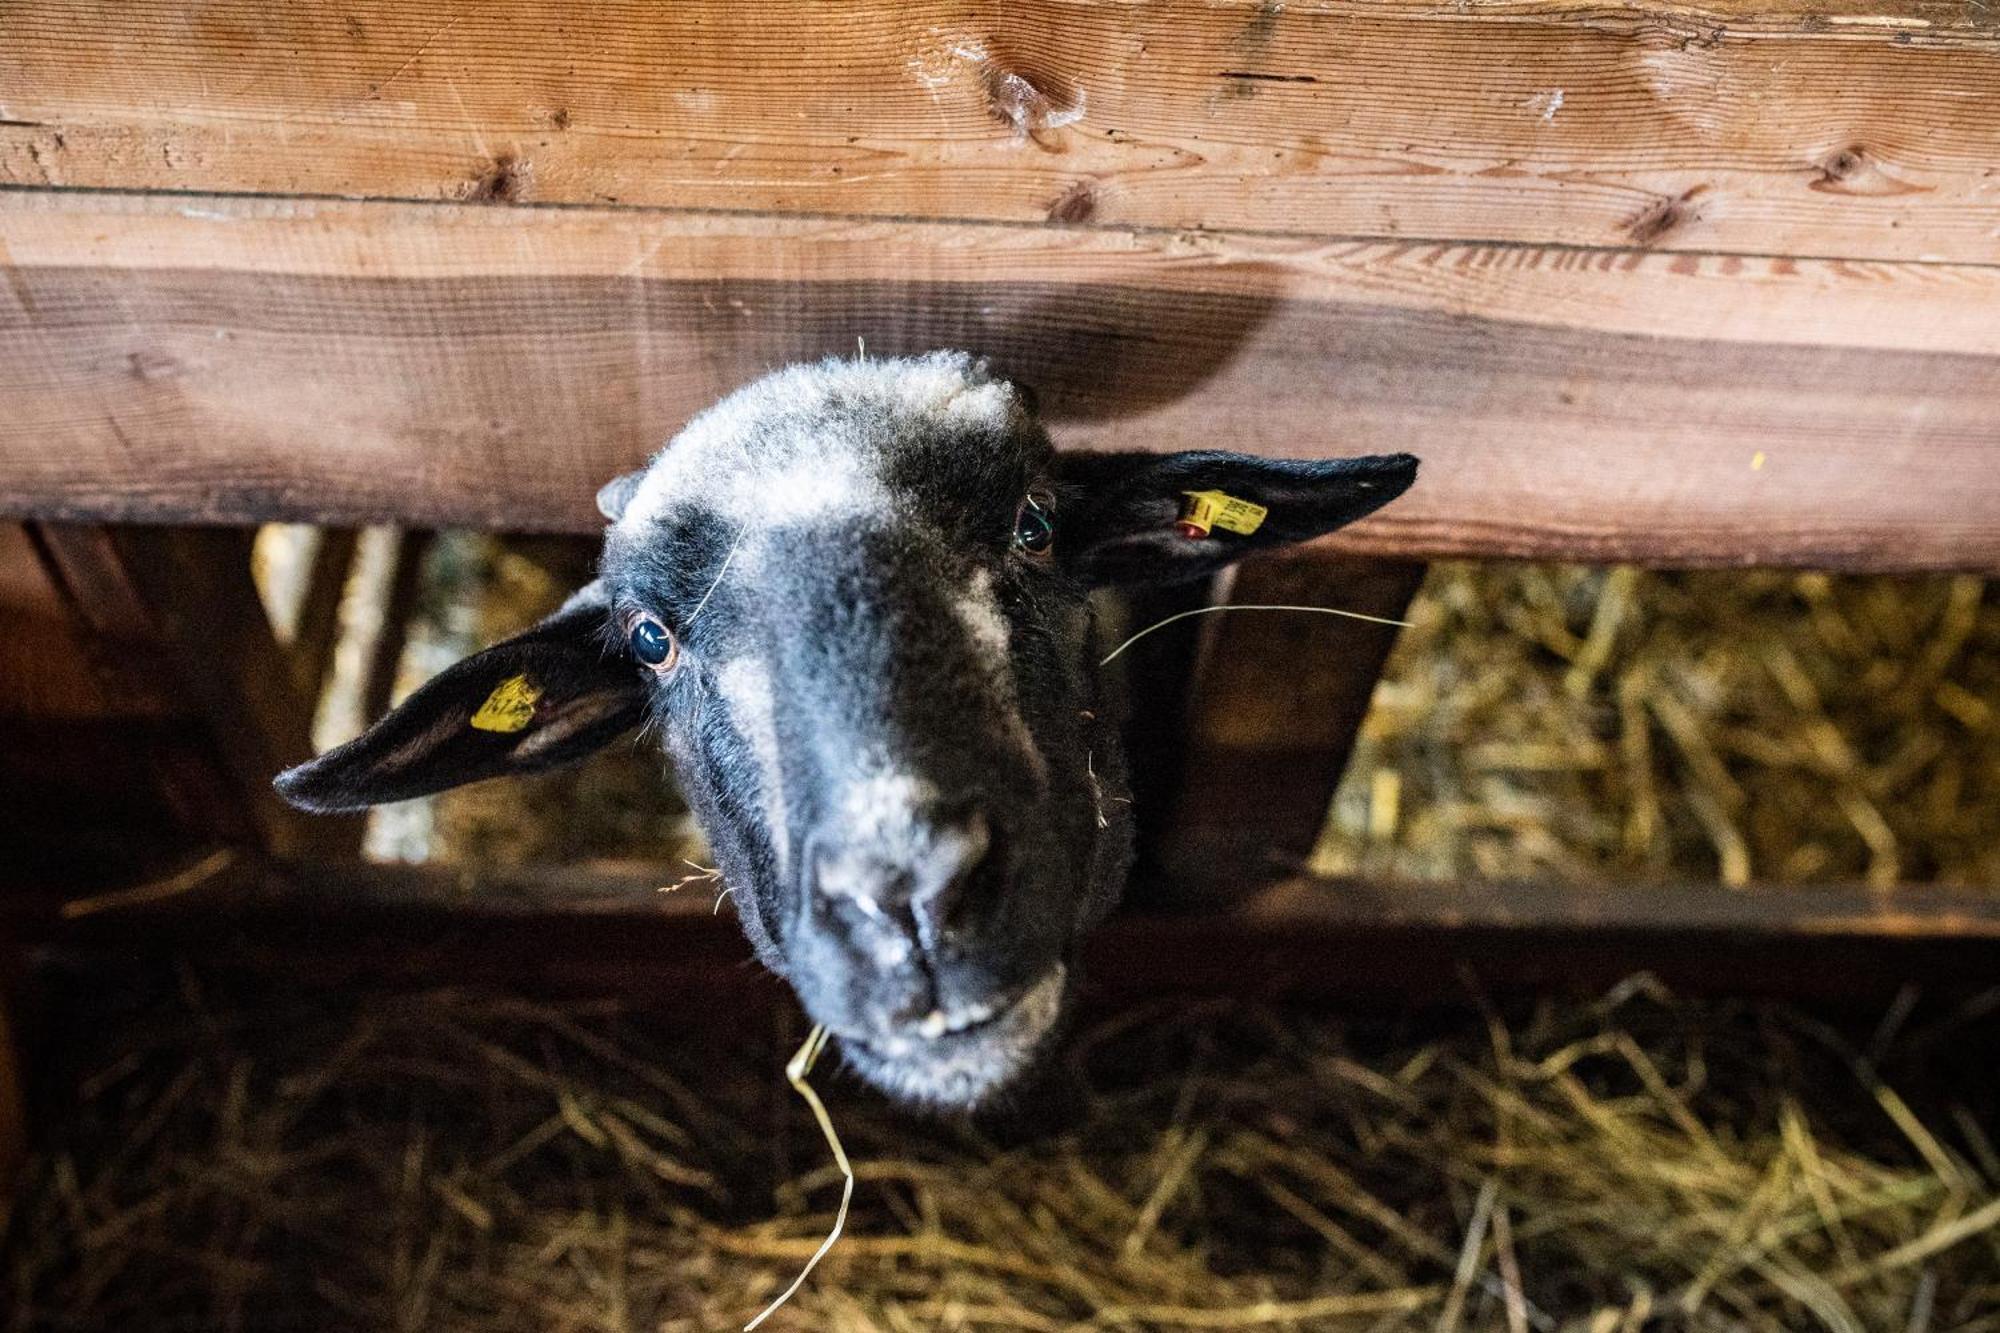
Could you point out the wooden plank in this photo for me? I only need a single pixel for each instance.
(1927, 306)
(1278, 701)
(610, 929)
(1823, 127)
(1308, 938)
(629, 891)
(223, 360)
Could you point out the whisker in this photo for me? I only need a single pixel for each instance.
(733, 548)
(1248, 606)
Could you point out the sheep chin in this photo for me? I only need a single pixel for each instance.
(961, 1071)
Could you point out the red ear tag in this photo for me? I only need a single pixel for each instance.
(1204, 511)
(1197, 516)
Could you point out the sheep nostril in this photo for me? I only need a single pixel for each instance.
(892, 908)
(949, 876)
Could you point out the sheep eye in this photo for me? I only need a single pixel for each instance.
(653, 644)
(1034, 529)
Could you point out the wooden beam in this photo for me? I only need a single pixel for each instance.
(610, 929)
(1848, 128)
(241, 360)
(1278, 700)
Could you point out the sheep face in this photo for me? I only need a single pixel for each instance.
(852, 599)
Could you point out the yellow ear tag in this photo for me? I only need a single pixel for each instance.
(510, 707)
(1204, 510)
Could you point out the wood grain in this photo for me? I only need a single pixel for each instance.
(1905, 306)
(235, 361)
(1846, 129)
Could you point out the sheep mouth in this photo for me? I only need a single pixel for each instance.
(961, 1058)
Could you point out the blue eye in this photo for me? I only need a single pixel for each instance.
(653, 644)
(1034, 529)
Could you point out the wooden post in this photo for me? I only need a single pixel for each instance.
(1278, 699)
(385, 654)
(316, 630)
(1158, 676)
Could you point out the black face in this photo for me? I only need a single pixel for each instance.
(854, 600)
(883, 708)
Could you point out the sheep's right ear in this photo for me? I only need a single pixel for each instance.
(537, 701)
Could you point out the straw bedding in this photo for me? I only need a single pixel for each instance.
(244, 1158)
(1570, 722)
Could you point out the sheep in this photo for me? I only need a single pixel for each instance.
(852, 600)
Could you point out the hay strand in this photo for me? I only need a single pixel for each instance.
(1244, 606)
(797, 1071)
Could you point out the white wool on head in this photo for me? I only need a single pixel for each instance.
(803, 442)
(745, 683)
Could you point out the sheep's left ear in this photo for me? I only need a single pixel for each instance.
(542, 699)
(1161, 518)
(614, 495)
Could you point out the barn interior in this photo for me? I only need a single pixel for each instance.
(1611, 945)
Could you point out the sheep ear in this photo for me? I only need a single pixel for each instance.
(614, 495)
(1120, 516)
(537, 701)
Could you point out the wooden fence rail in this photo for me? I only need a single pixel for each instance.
(236, 360)
(611, 929)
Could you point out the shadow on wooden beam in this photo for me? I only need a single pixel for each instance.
(613, 931)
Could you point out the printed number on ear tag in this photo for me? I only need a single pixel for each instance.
(1202, 511)
(510, 707)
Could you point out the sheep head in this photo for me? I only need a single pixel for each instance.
(852, 599)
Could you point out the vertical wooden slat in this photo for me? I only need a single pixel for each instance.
(1277, 701)
(385, 652)
(1154, 681)
(317, 627)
